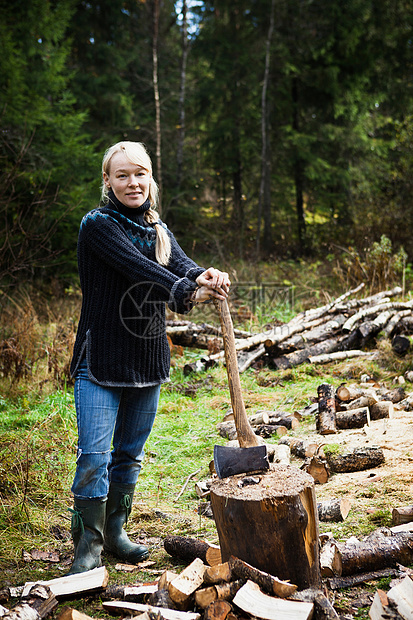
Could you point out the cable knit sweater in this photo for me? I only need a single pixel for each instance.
(122, 324)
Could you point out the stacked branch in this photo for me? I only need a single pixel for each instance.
(340, 329)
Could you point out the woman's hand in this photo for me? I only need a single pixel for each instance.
(216, 281)
(205, 293)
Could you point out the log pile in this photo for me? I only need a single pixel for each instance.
(341, 329)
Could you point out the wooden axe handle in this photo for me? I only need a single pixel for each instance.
(246, 436)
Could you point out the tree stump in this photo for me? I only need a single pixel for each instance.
(272, 525)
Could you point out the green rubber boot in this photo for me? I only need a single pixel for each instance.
(88, 520)
(118, 508)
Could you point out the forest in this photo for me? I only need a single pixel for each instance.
(279, 129)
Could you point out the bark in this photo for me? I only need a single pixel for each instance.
(330, 559)
(127, 608)
(268, 430)
(400, 345)
(357, 460)
(155, 40)
(382, 409)
(337, 583)
(187, 549)
(299, 357)
(326, 416)
(300, 448)
(323, 609)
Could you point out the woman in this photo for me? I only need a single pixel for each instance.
(129, 266)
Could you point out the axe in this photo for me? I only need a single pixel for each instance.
(251, 455)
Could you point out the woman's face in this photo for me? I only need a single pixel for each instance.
(129, 182)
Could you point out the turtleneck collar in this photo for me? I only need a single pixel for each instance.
(132, 213)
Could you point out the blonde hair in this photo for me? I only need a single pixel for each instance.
(137, 154)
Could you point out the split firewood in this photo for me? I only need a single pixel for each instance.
(216, 574)
(380, 609)
(218, 610)
(220, 591)
(358, 459)
(186, 583)
(250, 599)
(165, 579)
(326, 417)
(38, 603)
(73, 614)
(318, 467)
(323, 609)
(202, 488)
(401, 596)
(381, 409)
(72, 584)
(128, 608)
(380, 552)
(129, 593)
(187, 549)
(269, 583)
(334, 510)
(330, 559)
(404, 514)
(353, 418)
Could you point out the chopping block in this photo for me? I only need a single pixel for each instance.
(270, 521)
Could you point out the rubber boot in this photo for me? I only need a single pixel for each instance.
(118, 508)
(88, 520)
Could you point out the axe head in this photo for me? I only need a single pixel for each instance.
(230, 461)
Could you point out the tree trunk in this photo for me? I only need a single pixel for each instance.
(298, 173)
(181, 103)
(156, 11)
(264, 199)
(272, 525)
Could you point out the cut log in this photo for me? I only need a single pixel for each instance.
(353, 418)
(358, 459)
(247, 358)
(366, 400)
(268, 430)
(22, 611)
(269, 583)
(260, 417)
(187, 549)
(330, 559)
(326, 417)
(291, 422)
(401, 596)
(304, 355)
(218, 610)
(346, 393)
(369, 555)
(400, 345)
(395, 396)
(165, 579)
(250, 599)
(72, 584)
(337, 356)
(271, 525)
(404, 514)
(183, 586)
(120, 607)
(334, 510)
(300, 448)
(382, 409)
(218, 573)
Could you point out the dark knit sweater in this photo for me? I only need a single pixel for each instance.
(122, 323)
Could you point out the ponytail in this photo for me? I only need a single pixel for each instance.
(163, 243)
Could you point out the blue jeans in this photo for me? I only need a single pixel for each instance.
(125, 413)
